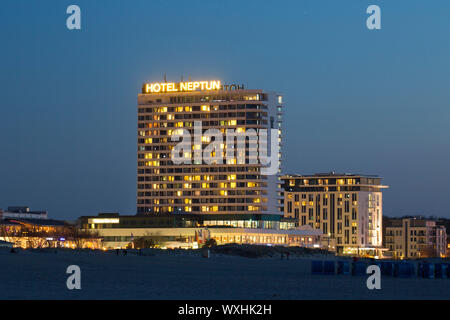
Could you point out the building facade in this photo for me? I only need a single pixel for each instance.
(411, 238)
(348, 208)
(45, 233)
(191, 231)
(211, 179)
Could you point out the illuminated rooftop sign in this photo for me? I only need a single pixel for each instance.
(162, 87)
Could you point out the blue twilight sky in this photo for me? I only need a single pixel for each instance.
(374, 102)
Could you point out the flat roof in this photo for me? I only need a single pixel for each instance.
(37, 222)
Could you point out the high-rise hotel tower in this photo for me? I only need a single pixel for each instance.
(168, 111)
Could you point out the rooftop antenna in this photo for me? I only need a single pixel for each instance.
(165, 80)
(189, 78)
(181, 78)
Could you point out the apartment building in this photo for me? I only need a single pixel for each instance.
(348, 208)
(411, 238)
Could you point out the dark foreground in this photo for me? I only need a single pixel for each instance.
(104, 275)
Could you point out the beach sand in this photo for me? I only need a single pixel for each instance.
(186, 275)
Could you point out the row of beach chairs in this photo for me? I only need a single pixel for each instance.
(401, 269)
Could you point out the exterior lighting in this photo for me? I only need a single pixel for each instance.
(181, 86)
(104, 220)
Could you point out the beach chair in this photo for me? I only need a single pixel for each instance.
(387, 268)
(343, 267)
(316, 267)
(358, 268)
(403, 269)
(329, 267)
(420, 270)
(441, 270)
(428, 270)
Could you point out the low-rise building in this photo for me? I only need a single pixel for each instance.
(19, 212)
(411, 238)
(448, 247)
(190, 231)
(32, 229)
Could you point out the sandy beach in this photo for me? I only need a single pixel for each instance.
(186, 275)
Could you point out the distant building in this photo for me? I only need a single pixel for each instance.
(448, 247)
(348, 208)
(23, 212)
(33, 233)
(32, 229)
(415, 238)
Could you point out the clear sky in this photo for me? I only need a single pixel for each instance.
(357, 100)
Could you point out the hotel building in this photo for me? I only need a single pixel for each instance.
(345, 207)
(414, 238)
(218, 193)
(226, 189)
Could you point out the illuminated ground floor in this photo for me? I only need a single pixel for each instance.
(50, 242)
(45, 233)
(194, 237)
(369, 252)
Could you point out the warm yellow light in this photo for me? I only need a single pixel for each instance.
(103, 220)
(161, 87)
